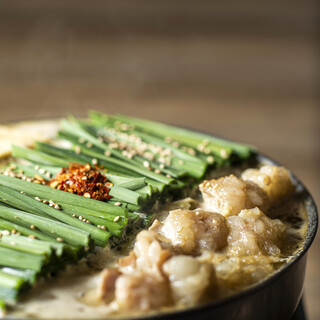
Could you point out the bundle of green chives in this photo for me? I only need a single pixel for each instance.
(35, 237)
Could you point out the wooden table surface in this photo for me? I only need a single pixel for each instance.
(247, 71)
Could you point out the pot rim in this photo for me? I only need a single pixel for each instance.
(312, 213)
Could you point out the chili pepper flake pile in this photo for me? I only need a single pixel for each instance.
(83, 180)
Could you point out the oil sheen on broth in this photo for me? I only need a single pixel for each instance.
(258, 229)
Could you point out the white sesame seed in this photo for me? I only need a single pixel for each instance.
(48, 174)
(77, 149)
(36, 167)
(157, 171)
(31, 236)
(5, 232)
(103, 228)
(210, 159)
(107, 153)
(74, 215)
(59, 239)
(22, 192)
(224, 153)
(89, 144)
(45, 201)
(191, 151)
(43, 171)
(32, 227)
(51, 204)
(80, 218)
(94, 162)
(116, 219)
(146, 164)
(37, 198)
(57, 207)
(118, 204)
(162, 166)
(51, 201)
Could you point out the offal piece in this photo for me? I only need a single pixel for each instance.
(253, 233)
(275, 181)
(254, 245)
(139, 282)
(190, 280)
(190, 231)
(233, 272)
(229, 195)
(107, 284)
(141, 292)
(147, 256)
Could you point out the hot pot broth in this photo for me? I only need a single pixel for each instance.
(76, 292)
(220, 238)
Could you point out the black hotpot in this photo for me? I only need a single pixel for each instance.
(275, 298)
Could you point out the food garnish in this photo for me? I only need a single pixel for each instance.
(82, 180)
(57, 203)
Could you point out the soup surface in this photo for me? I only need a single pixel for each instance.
(229, 234)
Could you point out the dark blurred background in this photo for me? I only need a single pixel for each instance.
(246, 70)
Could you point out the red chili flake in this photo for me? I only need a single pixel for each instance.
(83, 180)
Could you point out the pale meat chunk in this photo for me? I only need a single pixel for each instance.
(233, 272)
(253, 233)
(190, 280)
(275, 181)
(107, 282)
(141, 292)
(229, 195)
(189, 232)
(146, 257)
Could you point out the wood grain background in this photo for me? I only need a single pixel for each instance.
(246, 70)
